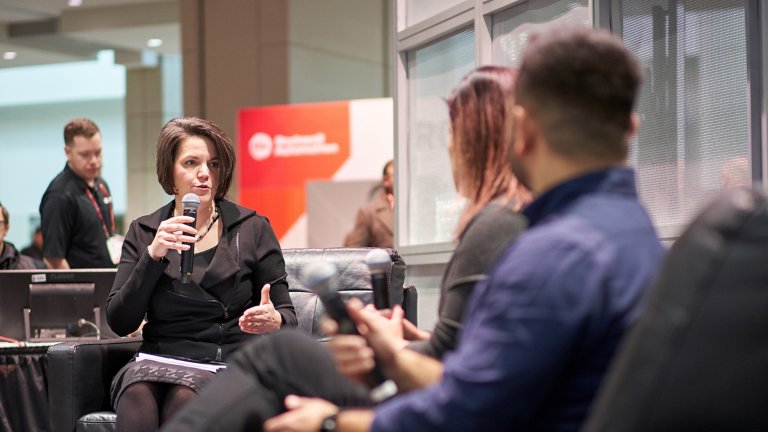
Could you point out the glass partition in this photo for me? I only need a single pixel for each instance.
(433, 71)
(512, 26)
(693, 106)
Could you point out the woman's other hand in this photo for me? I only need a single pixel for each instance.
(263, 318)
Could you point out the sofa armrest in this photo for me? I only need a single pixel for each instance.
(79, 377)
(410, 304)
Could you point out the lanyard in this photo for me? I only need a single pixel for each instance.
(98, 209)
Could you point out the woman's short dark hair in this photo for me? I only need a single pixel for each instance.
(175, 132)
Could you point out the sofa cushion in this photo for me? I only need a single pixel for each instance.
(100, 421)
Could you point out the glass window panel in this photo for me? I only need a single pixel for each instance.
(512, 26)
(433, 71)
(693, 106)
(418, 10)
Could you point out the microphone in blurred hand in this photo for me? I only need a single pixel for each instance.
(190, 203)
(321, 279)
(379, 263)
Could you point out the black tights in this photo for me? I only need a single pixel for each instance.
(143, 406)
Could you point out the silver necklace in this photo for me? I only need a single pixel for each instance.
(210, 225)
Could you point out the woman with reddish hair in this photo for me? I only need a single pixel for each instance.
(480, 110)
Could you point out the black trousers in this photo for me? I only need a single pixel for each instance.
(258, 378)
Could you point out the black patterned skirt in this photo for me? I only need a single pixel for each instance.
(152, 371)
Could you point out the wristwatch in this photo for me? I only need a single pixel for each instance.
(329, 423)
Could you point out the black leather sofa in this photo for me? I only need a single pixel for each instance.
(80, 373)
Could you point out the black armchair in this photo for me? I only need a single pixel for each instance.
(79, 377)
(80, 373)
(697, 359)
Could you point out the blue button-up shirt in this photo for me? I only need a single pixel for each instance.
(541, 330)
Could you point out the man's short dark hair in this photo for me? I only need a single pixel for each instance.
(175, 132)
(79, 127)
(580, 85)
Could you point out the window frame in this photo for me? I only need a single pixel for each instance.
(604, 14)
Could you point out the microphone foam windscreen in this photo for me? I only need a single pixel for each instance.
(317, 273)
(378, 260)
(190, 200)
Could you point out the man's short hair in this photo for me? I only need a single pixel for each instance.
(580, 86)
(179, 129)
(79, 127)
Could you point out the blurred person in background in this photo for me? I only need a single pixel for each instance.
(10, 258)
(76, 213)
(735, 172)
(374, 221)
(35, 249)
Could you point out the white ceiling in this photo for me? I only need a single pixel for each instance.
(50, 31)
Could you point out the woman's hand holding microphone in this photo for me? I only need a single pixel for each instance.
(173, 233)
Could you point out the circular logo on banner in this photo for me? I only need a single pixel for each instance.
(260, 146)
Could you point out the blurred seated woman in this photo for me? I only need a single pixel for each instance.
(237, 289)
(481, 133)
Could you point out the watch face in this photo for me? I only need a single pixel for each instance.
(329, 424)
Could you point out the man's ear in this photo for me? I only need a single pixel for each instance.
(634, 124)
(525, 134)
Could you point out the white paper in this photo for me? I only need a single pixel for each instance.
(178, 362)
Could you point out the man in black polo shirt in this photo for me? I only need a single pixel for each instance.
(76, 212)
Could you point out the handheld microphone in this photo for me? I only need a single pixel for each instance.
(321, 278)
(379, 264)
(190, 203)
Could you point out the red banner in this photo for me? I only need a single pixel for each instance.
(281, 147)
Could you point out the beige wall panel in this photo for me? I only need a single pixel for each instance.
(322, 76)
(192, 78)
(230, 47)
(273, 21)
(351, 28)
(273, 70)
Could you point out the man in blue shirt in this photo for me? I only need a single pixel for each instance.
(541, 330)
